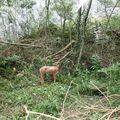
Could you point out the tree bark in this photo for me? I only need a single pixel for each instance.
(47, 3)
(109, 16)
(87, 13)
(81, 31)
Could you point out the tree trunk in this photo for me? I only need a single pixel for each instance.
(109, 16)
(47, 8)
(79, 26)
(64, 22)
(87, 13)
(47, 5)
(81, 32)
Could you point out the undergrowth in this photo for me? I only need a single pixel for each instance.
(25, 89)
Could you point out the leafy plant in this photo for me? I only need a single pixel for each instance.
(113, 78)
(10, 65)
(95, 60)
(113, 71)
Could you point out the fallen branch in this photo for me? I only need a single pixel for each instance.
(102, 93)
(19, 44)
(37, 113)
(63, 57)
(110, 97)
(111, 113)
(67, 46)
(63, 105)
(102, 118)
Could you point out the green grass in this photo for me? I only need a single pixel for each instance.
(16, 92)
(24, 91)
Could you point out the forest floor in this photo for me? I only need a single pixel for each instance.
(54, 99)
(68, 97)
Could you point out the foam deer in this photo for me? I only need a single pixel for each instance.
(52, 70)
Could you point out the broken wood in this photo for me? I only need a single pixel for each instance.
(19, 44)
(63, 57)
(67, 46)
(38, 113)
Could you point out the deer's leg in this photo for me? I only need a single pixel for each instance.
(42, 77)
(54, 77)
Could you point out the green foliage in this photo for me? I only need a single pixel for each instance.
(27, 4)
(9, 65)
(114, 22)
(19, 81)
(113, 71)
(33, 33)
(95, 61)
(113, 78)
(107, 80)
(25, 91)
(64, 8)
(52, 96)
(48, 98)
(54, 29)
(10, 2)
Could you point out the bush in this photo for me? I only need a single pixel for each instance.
(95, 61)
(112, 78)
(10, 65)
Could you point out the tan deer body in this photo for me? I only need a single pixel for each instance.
(52, 70)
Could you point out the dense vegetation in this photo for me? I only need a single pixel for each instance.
(87, 85)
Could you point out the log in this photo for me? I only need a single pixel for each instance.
(19, 44)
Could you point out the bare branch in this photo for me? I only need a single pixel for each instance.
(109, 17)
(63, 106)
(102, 93)
(63, 57)
(67, 46)
(19, 44)
(37, 113)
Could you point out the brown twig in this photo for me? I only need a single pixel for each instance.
(104, 116)
(112, 112)
(63, 105)
(110, 96)
(37, 113)
(102, 93)
(109, 114)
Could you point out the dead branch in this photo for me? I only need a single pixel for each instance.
(110, 97)
(104, 116)
(19, 44)
(63, 106)
(67, 46)
(111, 113)
(102, 93)
(37, 113)
(109, 17)
(63, 57)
